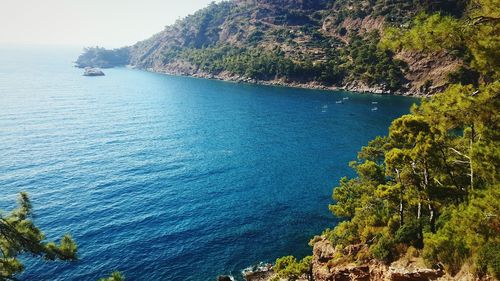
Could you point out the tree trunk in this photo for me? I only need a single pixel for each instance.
(470, 157)
(401, 214)
(401, 203)
(432, 218)
(419, 210)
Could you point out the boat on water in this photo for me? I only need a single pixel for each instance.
(346, 98)
(375, 109)
(374, 102)
(91, 71)
(339, 102)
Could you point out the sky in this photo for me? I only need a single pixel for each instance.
(106, 23)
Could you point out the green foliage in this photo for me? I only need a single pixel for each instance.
(396, 11)
(431, 184)
(475, 34)
(262, 64)
(360, 60)
(382, 249)
(410, 234)
(464, 233)
(344, 234)
(254, 63)
(488, 259)
(374, 65)
(464, 76)
(19, 236)
(289, 268)
(115, 276)
(100, 57)
(428, 33)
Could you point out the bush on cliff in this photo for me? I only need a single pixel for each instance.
(290, 269)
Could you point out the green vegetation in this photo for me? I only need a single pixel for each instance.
(373, 65)
(19, 236)
(100, 57)
(474, 37)
(428, 33)
(431, 184)
(290, 269)
(431, 187)
(361, 60)
(397, 11)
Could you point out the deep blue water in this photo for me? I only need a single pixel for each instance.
(173, 178)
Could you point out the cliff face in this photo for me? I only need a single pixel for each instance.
(311, 43)
(328, 265)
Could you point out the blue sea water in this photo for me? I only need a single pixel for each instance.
(173, 178)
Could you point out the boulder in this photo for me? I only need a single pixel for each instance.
(224, 278)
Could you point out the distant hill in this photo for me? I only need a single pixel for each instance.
(307, 43)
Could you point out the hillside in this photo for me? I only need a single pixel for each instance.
(305, 43)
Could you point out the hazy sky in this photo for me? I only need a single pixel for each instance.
(107, 23)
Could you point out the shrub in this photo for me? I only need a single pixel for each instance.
(288, 267)
(410, 233)
(488, 259)
(382, 249)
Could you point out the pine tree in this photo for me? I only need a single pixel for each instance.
(20, 236)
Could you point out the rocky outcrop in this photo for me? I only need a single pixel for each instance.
(325, 269)
(89, 71)
(224, 278)
(260, 272)
(416, 275)
(428, 73)
(260, 276)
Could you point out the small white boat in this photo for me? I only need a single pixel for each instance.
(374, 102)
(375, 109)
(339, 102)
(346, 98)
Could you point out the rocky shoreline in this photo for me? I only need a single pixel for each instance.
(228, 77)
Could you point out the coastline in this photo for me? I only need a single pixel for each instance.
(227, 77)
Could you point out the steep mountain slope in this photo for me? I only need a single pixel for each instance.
(310, 43)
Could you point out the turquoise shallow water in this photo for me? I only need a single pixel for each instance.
(173, 178)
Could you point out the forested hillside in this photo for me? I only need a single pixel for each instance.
(310, 43)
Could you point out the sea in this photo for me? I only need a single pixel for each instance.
(173, 178)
